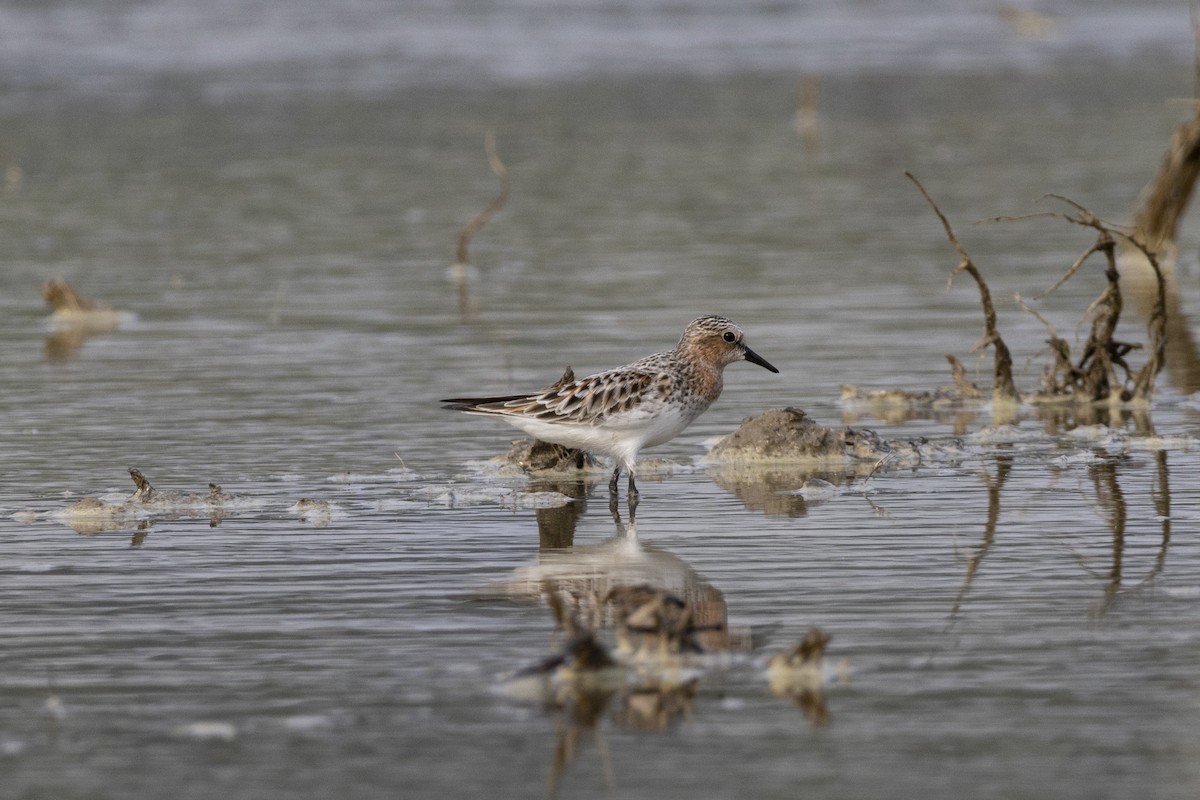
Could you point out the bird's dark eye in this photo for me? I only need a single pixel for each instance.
(730, 336)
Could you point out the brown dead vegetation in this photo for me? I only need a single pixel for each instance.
(1098, 372)
(1138, 262)
(1102, 377)
(1093, 378)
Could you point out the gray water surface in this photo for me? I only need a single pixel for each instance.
(276, 198)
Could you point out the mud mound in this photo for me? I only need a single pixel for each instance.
(790, 435)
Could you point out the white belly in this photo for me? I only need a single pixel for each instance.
(620, 437)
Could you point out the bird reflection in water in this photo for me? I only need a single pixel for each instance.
(638, 629)
(663, 615)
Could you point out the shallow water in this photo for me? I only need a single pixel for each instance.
(1019, 619)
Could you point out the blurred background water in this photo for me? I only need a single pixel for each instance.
(274, 190)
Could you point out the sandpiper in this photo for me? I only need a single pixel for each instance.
(620, 411)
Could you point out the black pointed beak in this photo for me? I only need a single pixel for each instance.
(755, 358)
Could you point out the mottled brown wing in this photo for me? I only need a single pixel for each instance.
(588, 400)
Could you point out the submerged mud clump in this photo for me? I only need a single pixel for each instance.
(76, 318)
(94, 515)
(797, 673)
(147, 505)
(70, 305)
(959, 402)
(790, 435)
(534, 455)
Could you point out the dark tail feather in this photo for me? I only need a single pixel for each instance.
(477, 403)
(480, 403)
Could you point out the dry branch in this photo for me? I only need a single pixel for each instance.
(462, 259)
(481, 219)
(1101, 373)
(1101, 352)
(1139, 261)
(1003, 388)
(1094, 378)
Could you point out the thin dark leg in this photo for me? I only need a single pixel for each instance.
(612, 496)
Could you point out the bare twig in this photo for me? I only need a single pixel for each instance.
(964, 389)
(462, 259)
(481, 219)
(1071, 270)
(1050, 329)
(1156, 328)
(1003, 388)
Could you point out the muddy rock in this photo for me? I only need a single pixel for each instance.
(790, 435)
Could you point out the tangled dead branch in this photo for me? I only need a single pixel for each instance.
(1092, 378)
(1139, 264)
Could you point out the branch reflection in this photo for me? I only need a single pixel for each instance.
(1111, 498)
(994, 486)
(1104, 476)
